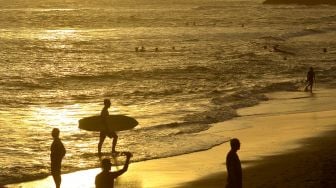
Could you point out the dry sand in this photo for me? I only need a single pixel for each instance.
(311, 166)
(286, 142)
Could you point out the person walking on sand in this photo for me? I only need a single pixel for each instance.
(310, 79)
(104, 115)
(105, 179)
(57, 153)
(233, 166)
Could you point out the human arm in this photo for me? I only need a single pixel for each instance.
(63, 151)
(125, 168)
(57, 150)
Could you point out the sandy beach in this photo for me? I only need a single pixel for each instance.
(287, 141)
(193, 74)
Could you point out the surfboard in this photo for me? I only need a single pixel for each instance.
(114, 123)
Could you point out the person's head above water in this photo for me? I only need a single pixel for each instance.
(107, 102)
(106, 164)
(55, 133)
(235, 144)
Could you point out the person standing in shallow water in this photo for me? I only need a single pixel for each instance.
(57, 153)
(106, 178)
(233, 166)
(310, 79)
(104, 114)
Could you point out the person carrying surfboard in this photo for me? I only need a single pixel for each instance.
(105, 179)
(104, 114)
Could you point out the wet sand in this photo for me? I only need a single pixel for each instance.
(287, 141)
(310, 166)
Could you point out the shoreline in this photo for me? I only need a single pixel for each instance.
(312, 165)
(291, 120)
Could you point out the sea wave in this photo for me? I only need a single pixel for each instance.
(178, 95)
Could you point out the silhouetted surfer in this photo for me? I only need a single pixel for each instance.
(310, 79)
(56, 156)
(233, 166)
(104, 114)
(105, 179)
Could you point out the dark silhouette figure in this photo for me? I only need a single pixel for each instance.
(56, 156)
(233, 166)
(105, 179)
(104, 114)
(310, 80)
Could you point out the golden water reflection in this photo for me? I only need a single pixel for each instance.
(57, 34)
(65, 117)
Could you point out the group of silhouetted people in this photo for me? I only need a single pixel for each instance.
(233, 165)
(106, 178)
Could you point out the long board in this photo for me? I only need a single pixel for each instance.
(114, 123)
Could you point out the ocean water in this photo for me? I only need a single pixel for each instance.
(60, 58)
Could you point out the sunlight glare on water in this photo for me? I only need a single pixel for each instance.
(201, 60)
(65, 117)
(57, 34)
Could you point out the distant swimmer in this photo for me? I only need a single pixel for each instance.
(156, 49)
(106, 178)
(310, 79)
(104, 114)
(57, 153)
(136, 49)
(233, 166)
(325, 50)
(142, 49)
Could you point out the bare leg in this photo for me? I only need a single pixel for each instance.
(57, 180)
(114, 141)
(102, 137)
